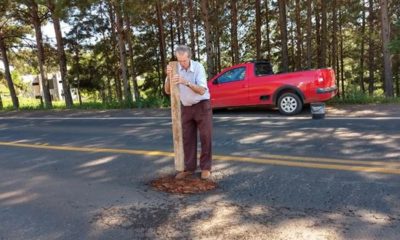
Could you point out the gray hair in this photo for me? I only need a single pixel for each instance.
(183, 49)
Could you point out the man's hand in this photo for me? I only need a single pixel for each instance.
(169, 70)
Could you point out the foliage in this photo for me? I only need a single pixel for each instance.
(358, 97)
(395, 44)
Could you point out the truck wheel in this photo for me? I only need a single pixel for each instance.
(289, 104)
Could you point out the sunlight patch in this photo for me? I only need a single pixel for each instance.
(100, 161)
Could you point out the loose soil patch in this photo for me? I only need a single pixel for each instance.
(188, 185)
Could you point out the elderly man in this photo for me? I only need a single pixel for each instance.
(196, 111)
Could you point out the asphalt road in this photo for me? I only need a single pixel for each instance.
(85, 175)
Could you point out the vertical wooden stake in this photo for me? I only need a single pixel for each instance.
(176, 120)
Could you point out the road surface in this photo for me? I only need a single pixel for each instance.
(85, 175)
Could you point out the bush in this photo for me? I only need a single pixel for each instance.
(358, 97)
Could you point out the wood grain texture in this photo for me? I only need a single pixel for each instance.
(176, 121)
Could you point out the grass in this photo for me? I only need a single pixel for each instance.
(160, 102)
(361, 98)
(34, 104)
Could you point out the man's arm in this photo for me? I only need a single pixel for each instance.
(201, 81)
(196, 88)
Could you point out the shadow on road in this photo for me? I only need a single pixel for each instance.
(51, 194)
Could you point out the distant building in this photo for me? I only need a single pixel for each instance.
(55, 86)
(34, 89)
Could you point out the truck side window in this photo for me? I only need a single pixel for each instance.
(233, 75)
(264, 68)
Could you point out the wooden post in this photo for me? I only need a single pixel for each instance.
(176, 120)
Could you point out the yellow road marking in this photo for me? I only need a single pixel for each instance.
(332, 160)
(283, 161)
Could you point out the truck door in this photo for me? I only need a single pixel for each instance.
(230, 89)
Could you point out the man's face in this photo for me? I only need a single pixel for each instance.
(183, 59)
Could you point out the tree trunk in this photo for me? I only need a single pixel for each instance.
(217, 36)
(122, 53)
(309, 36)
(343, 94)
(161, 38)
(197, 31)
(268, 30)
(10, 84)
(40, 53)
(209, 46)
(113, 43)
(191, 29)
(181, 22)
(171, 34)
(318, 32)
(292, 59)
(234, 39)
(324, 33)
(61, 55)
(299, 39)
(334, 38)
(284, 40)
(258, 29)
(361, 82)
(109, 90)
(371, 63)
(387, 63)
(77, 65)
(130, 49)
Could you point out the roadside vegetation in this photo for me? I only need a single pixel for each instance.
(163, 102)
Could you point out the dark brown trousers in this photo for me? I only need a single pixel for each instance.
(197, 117)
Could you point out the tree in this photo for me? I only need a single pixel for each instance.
(191, 28)
(36, 19)
(122, 52)
(268, 30)
(114, 42)
(129, 39)
(324, 33)
(362, 55)
(299, 40)
(234, 37)
(10, 84)
(7, 31)
(387, 65)
(209, 46)
(283, 31)
(161, 37)
(60, 51)
(395, 49)
(111, 15)
(258, 29)
(371, 46)
(309, 36)
(334, 39)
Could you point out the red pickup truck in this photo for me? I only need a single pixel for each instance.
(254, 84)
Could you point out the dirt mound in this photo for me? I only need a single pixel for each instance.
(184, 186)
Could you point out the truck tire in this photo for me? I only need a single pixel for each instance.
(289, 104)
